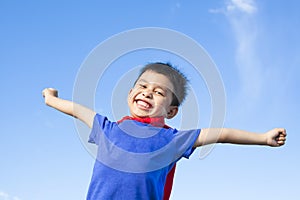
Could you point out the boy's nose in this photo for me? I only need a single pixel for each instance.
(147, 94)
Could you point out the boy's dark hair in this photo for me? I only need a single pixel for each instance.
(177, 78)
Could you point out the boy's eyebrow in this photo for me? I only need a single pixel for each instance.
(141, 80)
(157, 85)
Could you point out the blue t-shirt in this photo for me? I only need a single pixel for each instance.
(134, 158)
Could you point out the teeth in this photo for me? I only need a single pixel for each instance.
(143, 103)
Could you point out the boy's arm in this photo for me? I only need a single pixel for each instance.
(84, 114)
(275, 137)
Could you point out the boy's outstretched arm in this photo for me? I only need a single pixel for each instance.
(84, 114)
(275, 137)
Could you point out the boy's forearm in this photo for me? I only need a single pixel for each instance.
(275, 137)
(236, 136)
(84, 114)
(59, 104)
(227, 135)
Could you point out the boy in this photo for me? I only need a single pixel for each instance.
(136, 154)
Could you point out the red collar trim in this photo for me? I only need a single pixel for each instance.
(154, 121)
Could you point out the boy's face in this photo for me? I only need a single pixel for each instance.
(152, 96)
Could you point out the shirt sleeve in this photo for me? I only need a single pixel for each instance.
(100, 125)
(185, 141)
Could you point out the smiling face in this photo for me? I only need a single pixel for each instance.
(152, 96)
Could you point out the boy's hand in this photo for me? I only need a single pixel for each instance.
(276, 137)
(49, 92)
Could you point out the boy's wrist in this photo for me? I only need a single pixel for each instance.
(49, 99)
(264, 139)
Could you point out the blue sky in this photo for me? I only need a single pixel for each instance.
(254, 44)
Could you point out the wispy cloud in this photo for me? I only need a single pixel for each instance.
(175, 7)
(241, 15)
(247, 6)
(6, 196)
(243, 6)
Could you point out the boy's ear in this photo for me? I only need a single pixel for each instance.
(129, 93)
(172, 112)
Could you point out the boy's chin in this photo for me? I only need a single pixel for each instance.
(140, 115)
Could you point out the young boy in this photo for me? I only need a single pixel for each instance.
(136, 153)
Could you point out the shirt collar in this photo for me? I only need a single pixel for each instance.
(154, 121)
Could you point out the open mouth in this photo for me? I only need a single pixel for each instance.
(143, 104)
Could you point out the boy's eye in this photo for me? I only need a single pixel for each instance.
(159, 93)
(142, 86)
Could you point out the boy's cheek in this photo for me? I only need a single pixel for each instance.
(130, 94)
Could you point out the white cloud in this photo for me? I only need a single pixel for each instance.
(247, 6)
(175, 7)
(245, 29)
(6, 196)
(216, 10)
(242, 6)
(248, 63)
(243, 22)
